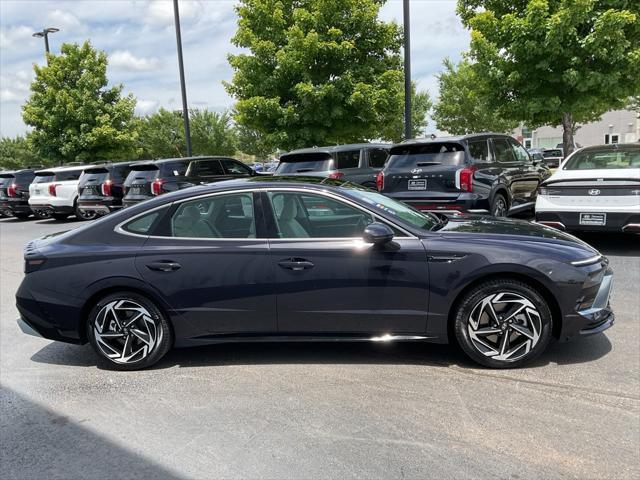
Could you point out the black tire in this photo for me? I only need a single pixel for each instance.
(499, 205)
(21, 215)
(535, 318)
(84, 215)
(59, 216)
(160, 333)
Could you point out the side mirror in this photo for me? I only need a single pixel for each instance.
(377, 233)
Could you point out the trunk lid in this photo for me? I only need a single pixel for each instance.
(90, 186)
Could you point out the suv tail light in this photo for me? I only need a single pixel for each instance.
(52, 189)
(464, 178)
(156, 187)
(336, 175)
(106, 188)
(380, 180)
(12, 191)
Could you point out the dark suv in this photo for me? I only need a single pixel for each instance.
(149, 179)
(14, 192)
(101, 188)
(358, 163)
(477, 173)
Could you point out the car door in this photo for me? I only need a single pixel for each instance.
(529, 174)
(206, 258)
(330, 282)
(511, 170)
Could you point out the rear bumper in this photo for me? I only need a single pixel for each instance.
(100, 207)
(464, 202)
(49, 209)
(15, 205)
(615, 221)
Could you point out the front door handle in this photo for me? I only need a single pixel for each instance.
(165, 266)
(295, 264)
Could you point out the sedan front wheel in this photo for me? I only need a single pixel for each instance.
(503, 324)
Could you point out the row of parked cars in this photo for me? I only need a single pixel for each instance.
(596, 188)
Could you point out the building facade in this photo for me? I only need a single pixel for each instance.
(616, 126)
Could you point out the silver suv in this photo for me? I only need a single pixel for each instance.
(359, 163)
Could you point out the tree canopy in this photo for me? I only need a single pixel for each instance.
(15, 153)
(73, 112)
(317, 71)
(464, 104)
(556, 61)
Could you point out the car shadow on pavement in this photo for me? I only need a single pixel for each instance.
(40, 443)
(619, 244)
(53, 221)
(322, 353)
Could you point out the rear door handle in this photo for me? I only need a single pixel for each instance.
(165, 266)
(295, 264)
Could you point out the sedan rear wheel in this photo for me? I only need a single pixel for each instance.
(503, 324)
(128, 332)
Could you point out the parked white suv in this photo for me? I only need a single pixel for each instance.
(54, 192)
(595, 189)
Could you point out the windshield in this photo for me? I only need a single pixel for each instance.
(605, 159)
(402, 211)
(410, 156)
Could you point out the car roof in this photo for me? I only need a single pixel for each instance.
(612, 147)
(64, 168)
(452, 138)
(338, 148)
(176, 159)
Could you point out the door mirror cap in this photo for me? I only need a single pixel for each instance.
(377, 233)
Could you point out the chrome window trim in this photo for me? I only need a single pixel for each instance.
(119, 227)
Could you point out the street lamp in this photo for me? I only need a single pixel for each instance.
(45, 34)
(185, 110)
(407, 71)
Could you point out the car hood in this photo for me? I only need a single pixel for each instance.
(512, 229)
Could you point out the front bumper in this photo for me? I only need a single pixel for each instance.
(628, 222)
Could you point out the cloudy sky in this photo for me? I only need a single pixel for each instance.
(139, 37)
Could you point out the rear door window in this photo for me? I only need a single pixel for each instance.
(378, 157)
(479, 151)
(424, 155)
(205, 168)
(235, 168)
(348, 159)
(504, 152)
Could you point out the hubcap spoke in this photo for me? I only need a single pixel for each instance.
(504, 326)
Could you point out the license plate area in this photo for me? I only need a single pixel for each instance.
(417, 184)
(593, 219)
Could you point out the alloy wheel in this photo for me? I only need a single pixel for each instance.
(500, 208)
(125, 331)
(504, 326)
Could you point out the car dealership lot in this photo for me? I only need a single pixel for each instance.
(321, 410)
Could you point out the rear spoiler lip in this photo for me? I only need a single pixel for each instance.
(596, 179)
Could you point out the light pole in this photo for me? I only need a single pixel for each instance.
(407, 71)
(45, 34)
(185, 110)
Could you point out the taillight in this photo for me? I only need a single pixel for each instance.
(464, 179)
(380, 180)
(336, 175)
(156, 187)
(543, 191)
(12, 191)
(52, 189)
(106, 188)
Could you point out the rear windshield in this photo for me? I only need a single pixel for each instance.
(43, 177)
(67, 175)
(425, 155)
(142, 172)
(305, 162)
(604, 159)
(96, 174)
(6, 179)
(551, 153)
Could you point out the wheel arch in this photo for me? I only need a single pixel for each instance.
(128, 286)
(552, 302)
(505, 191)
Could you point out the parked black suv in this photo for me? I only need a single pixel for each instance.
(14, 193)
(478, 173)
(149, 179)
(101, 188)
(359, 163)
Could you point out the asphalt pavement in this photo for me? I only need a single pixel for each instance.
(320, 410)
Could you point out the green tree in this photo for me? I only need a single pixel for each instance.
(16, 153)
(317, 71)
(421, 105)
(74, 115)
(253, 142)
(162, 134)
(464, 104)
(556, 62)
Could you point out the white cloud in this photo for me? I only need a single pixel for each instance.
(14, 35)
(64, 20)
(14, 87)
(144, 107)
(126, 60)
(161, 11)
